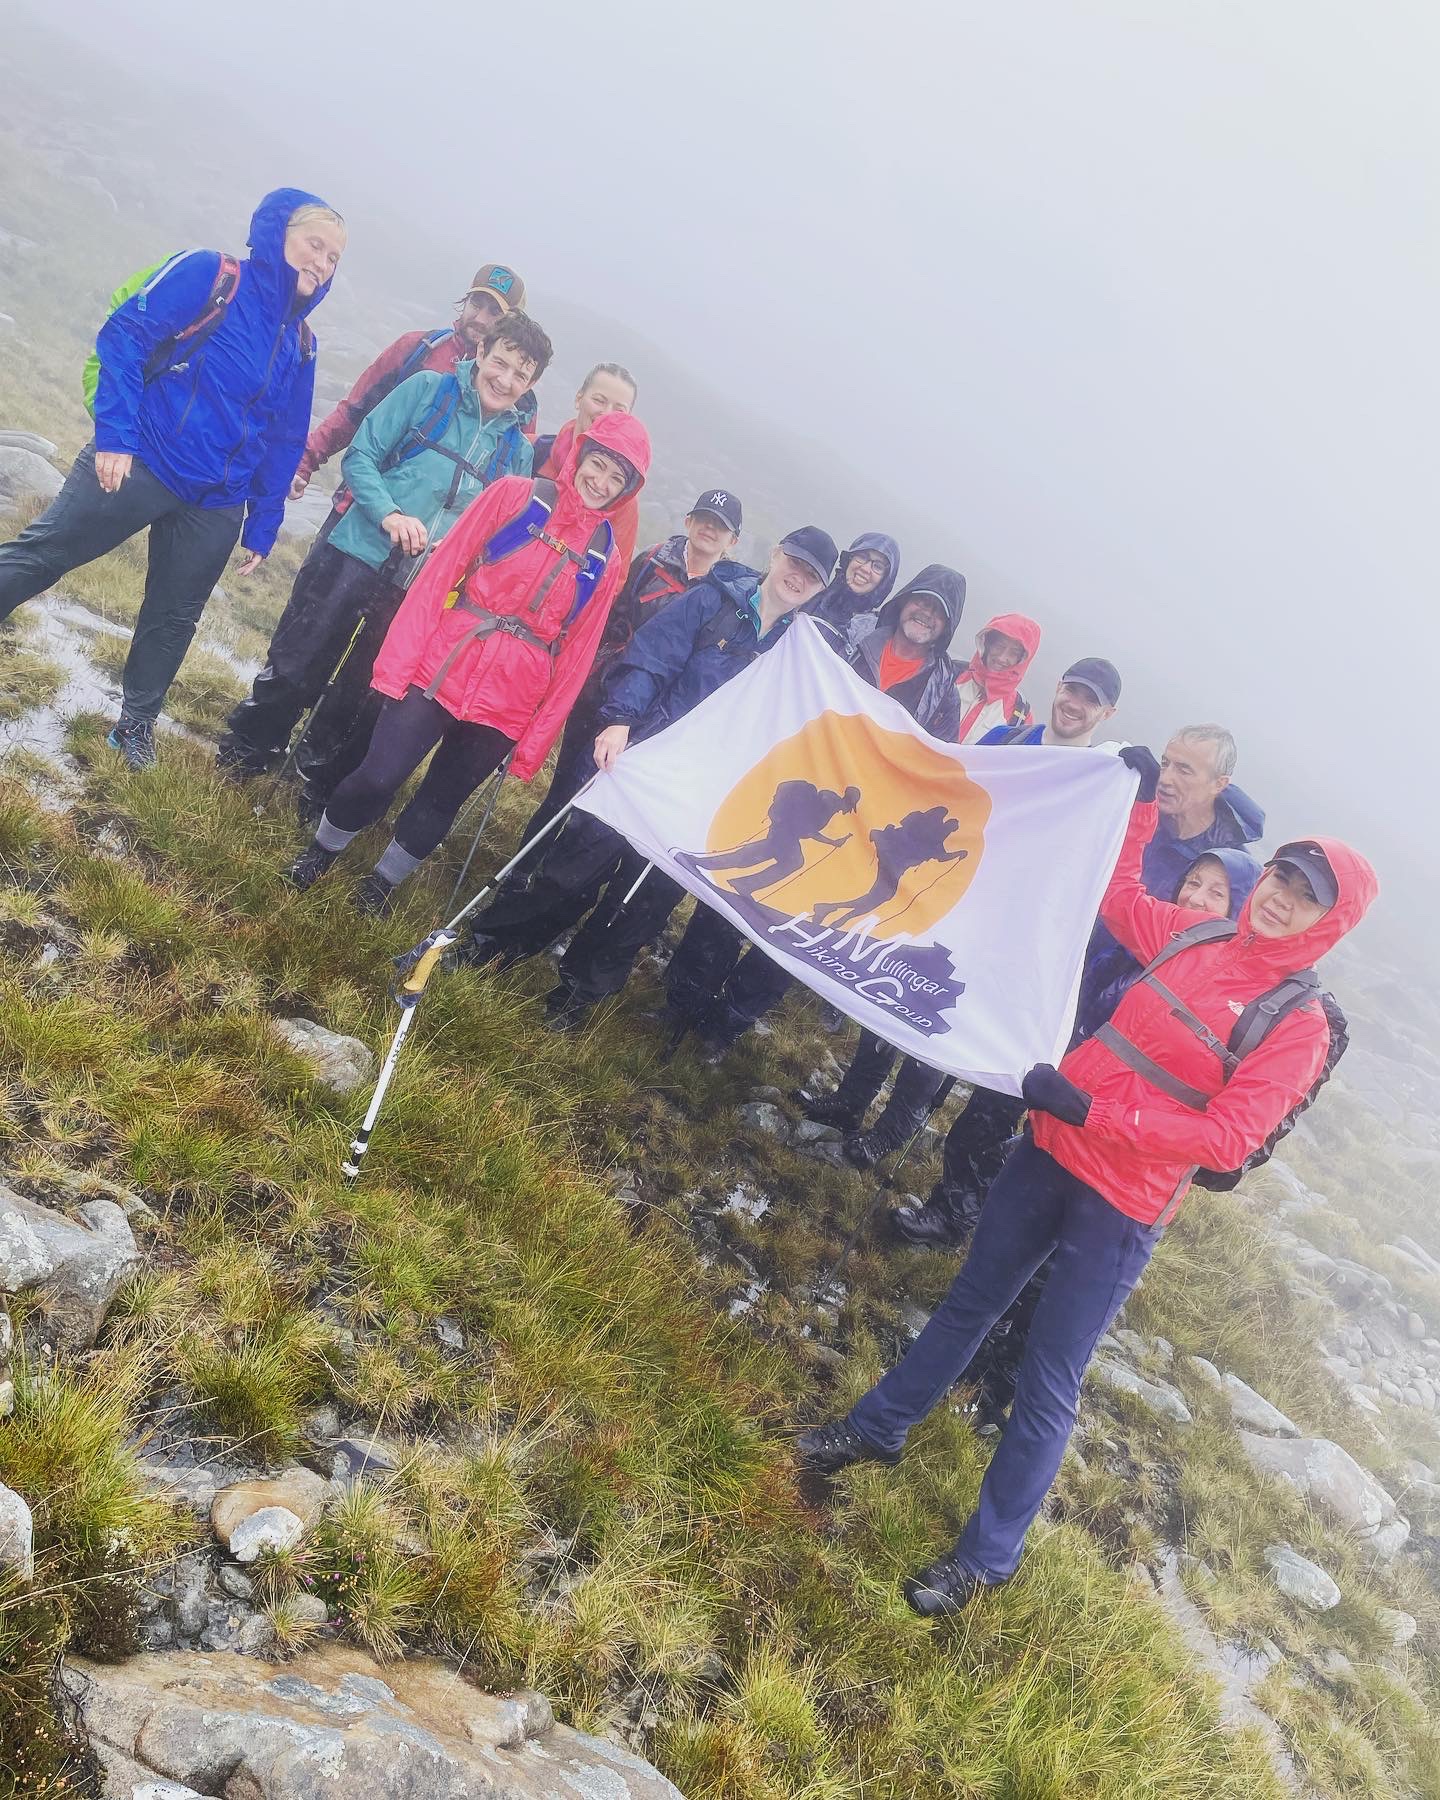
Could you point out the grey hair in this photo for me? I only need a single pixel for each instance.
(618, 370)
(1225, 752)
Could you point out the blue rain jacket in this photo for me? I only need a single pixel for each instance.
(226, 426)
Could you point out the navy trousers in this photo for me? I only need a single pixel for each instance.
(1034, 1207)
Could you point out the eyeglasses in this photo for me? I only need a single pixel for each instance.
(877, 565)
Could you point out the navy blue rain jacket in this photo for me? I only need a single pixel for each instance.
(1238, 820)
(704, 637)
(226, 426)
(847, 612)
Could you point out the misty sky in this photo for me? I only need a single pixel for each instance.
(1140, 301)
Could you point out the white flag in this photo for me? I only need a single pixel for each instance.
(941, 895)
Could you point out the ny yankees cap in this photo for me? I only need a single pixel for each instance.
(504, 284)
(723, 504)
(1314, 865)
(1101, 677)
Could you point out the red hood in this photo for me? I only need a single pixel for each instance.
(1006, 684)
(1358, 886)
(621, 432)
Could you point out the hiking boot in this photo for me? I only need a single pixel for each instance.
(480, 952)
(135, 740)
(944, 1588)
(375, 896)
(835, 1108)
(945, 1222)
(309, 866)
(238, 764)
(565, 1011)
(865, 1148)
(832, 1447)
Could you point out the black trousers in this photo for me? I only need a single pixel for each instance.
(588, 857)
(405, 733)
(189, 547)
(333, 592)
(977, 1143)
(718, 976)
(574, 765)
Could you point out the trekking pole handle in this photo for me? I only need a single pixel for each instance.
(408, 991)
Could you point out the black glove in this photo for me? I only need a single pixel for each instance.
(1045, 1089)
(1142, 761)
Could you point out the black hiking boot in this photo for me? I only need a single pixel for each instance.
(135, 740)
(944, 1588)
(829, 1448)
(944, 1222)
(312, 862)
(239, 764)
(480, 952)
(565, 1011)
(375, 896)
(836, 1108)
(865, 1148)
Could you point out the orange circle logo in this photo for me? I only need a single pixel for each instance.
(846, 823)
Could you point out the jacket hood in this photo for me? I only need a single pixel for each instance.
(1242, 871)
(267, 247)
(936, 582)
(626, 436)
(1248, 814)
(839, 602)
(1358, 885)
(1005, 684)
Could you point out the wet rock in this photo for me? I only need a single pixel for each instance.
(1398, 1626)
(1157, 1397)
(1331, 1479)
(25, 476)
(76, 1266)
(236, 1583)
(764, 1115)
(190, 1596)
(322, 1424)
(343, 1064)
(41, 446)
(364, 1457)
(1204, 1371)
(189, 1484)
(297, 1491)
(767, 1093)
(308, 1609)
(17, 1536)
(812, 1131)
(1252, 1409)
(334, 1725)
(450, 1334)
(1301, 1580)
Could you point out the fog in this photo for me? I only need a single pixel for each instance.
(1137, 304)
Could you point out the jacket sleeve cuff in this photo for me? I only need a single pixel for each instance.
(1107, 1118)
(261, 530)
(111, 442)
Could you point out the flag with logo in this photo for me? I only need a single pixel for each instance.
(941, 895)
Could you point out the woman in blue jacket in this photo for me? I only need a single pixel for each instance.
(201, 412)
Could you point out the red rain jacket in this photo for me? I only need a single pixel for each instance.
(988, 699)
(624, 520)
(1139, 1147)
(502, 680)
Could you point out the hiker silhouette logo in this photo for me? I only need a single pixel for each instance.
(846, 837)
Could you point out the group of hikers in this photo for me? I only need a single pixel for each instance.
(475, 597)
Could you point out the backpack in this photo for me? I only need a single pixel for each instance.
(1254, 1025)
(432, 426)
(198, 332)
(516, 533)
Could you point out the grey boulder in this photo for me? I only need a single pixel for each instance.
(25, 476)
(1301, 1580)
(1156, 1397)
(334, 1725)
(76, 1265)
(1331, 1479)
(341, 1063)
(1249, 1408)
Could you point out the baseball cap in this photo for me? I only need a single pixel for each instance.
(1314, 865)
(1101, 677)
(722, 504)
(815, 547)
(504, 284)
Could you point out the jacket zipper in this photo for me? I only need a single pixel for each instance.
(219, 486)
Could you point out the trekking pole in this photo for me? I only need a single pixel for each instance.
(635, 887)
(887, 1186)
(499, 780)
(265, 800)
(408, 994)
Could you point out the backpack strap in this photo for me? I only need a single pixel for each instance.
(1013, 735)
(415, 361)
(1204, 931)
(428, 428)
(203, 326)
(1261, 1016)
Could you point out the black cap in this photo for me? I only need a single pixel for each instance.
(813, 546)
(1314, 865)
(722, 504)
(1101, 677)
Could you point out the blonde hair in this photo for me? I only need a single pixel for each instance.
(311, 213)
